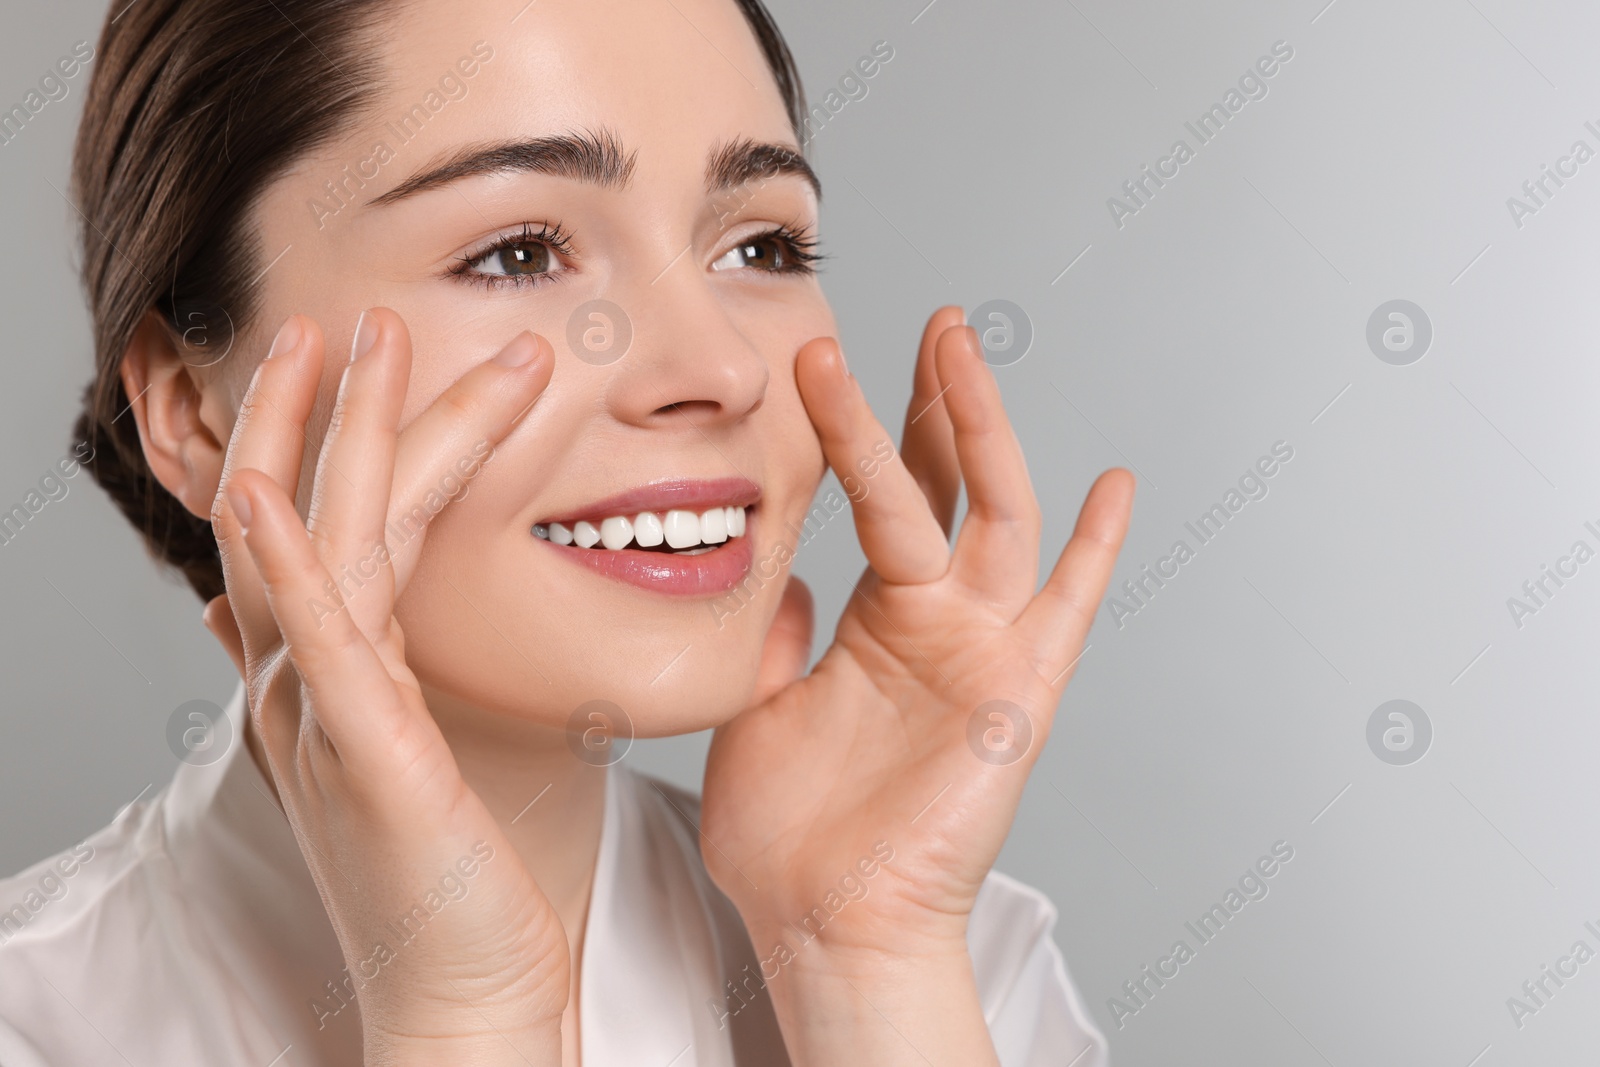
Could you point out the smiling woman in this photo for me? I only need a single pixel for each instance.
(460, 567)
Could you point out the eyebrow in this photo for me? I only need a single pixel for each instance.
(595, 157)
(598, 158)
(740, 162)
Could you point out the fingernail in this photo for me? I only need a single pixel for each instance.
(366, 336)
(288, 338)
(239, 501)
(520, 352)
(842, 364)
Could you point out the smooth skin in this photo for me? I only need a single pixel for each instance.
(426, 715)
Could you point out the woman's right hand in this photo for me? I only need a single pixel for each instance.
(386, 824)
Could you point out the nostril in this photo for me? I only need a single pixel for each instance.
(705, 409)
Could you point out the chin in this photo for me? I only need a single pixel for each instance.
(676, 669)
(702, 696)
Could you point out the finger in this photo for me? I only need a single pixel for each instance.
(218, 618)
(928, 445)
(450, 441)
(350, 497)
(901, 538)
(997, 550)
(353, 693)
(1055, 623)
(268, 436)
(787, 651)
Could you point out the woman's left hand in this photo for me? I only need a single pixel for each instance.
(853, 812)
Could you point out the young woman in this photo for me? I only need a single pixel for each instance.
(470, 363)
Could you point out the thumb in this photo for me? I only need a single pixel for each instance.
(787, 651)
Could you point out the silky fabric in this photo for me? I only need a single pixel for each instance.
(189, 933)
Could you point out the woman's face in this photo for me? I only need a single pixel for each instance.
(496, 617)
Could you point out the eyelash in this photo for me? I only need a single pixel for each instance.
(799, 253)
(801, 247)
(556, 238)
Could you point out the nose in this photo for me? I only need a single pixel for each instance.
(691, 360)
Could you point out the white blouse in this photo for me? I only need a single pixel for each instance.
(189, 932)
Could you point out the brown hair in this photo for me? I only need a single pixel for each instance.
(194, 108)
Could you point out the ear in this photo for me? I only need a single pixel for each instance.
(183, 416)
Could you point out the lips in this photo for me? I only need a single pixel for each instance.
(679, 537)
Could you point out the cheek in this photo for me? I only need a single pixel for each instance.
(789, 438)
(795, 465)
(448, 340)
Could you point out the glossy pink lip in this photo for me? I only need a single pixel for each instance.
(708, 574)
(684, 493)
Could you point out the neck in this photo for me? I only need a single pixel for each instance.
(548, 802)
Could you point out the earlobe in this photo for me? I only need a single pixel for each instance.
(179, 415)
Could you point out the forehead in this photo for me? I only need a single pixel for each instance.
(669, 77)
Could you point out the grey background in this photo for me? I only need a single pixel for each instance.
(1227, 315)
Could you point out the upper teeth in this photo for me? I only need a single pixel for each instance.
(678, 529)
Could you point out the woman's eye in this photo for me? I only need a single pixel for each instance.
(532, 257)
(763, 253)
(516, 260)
